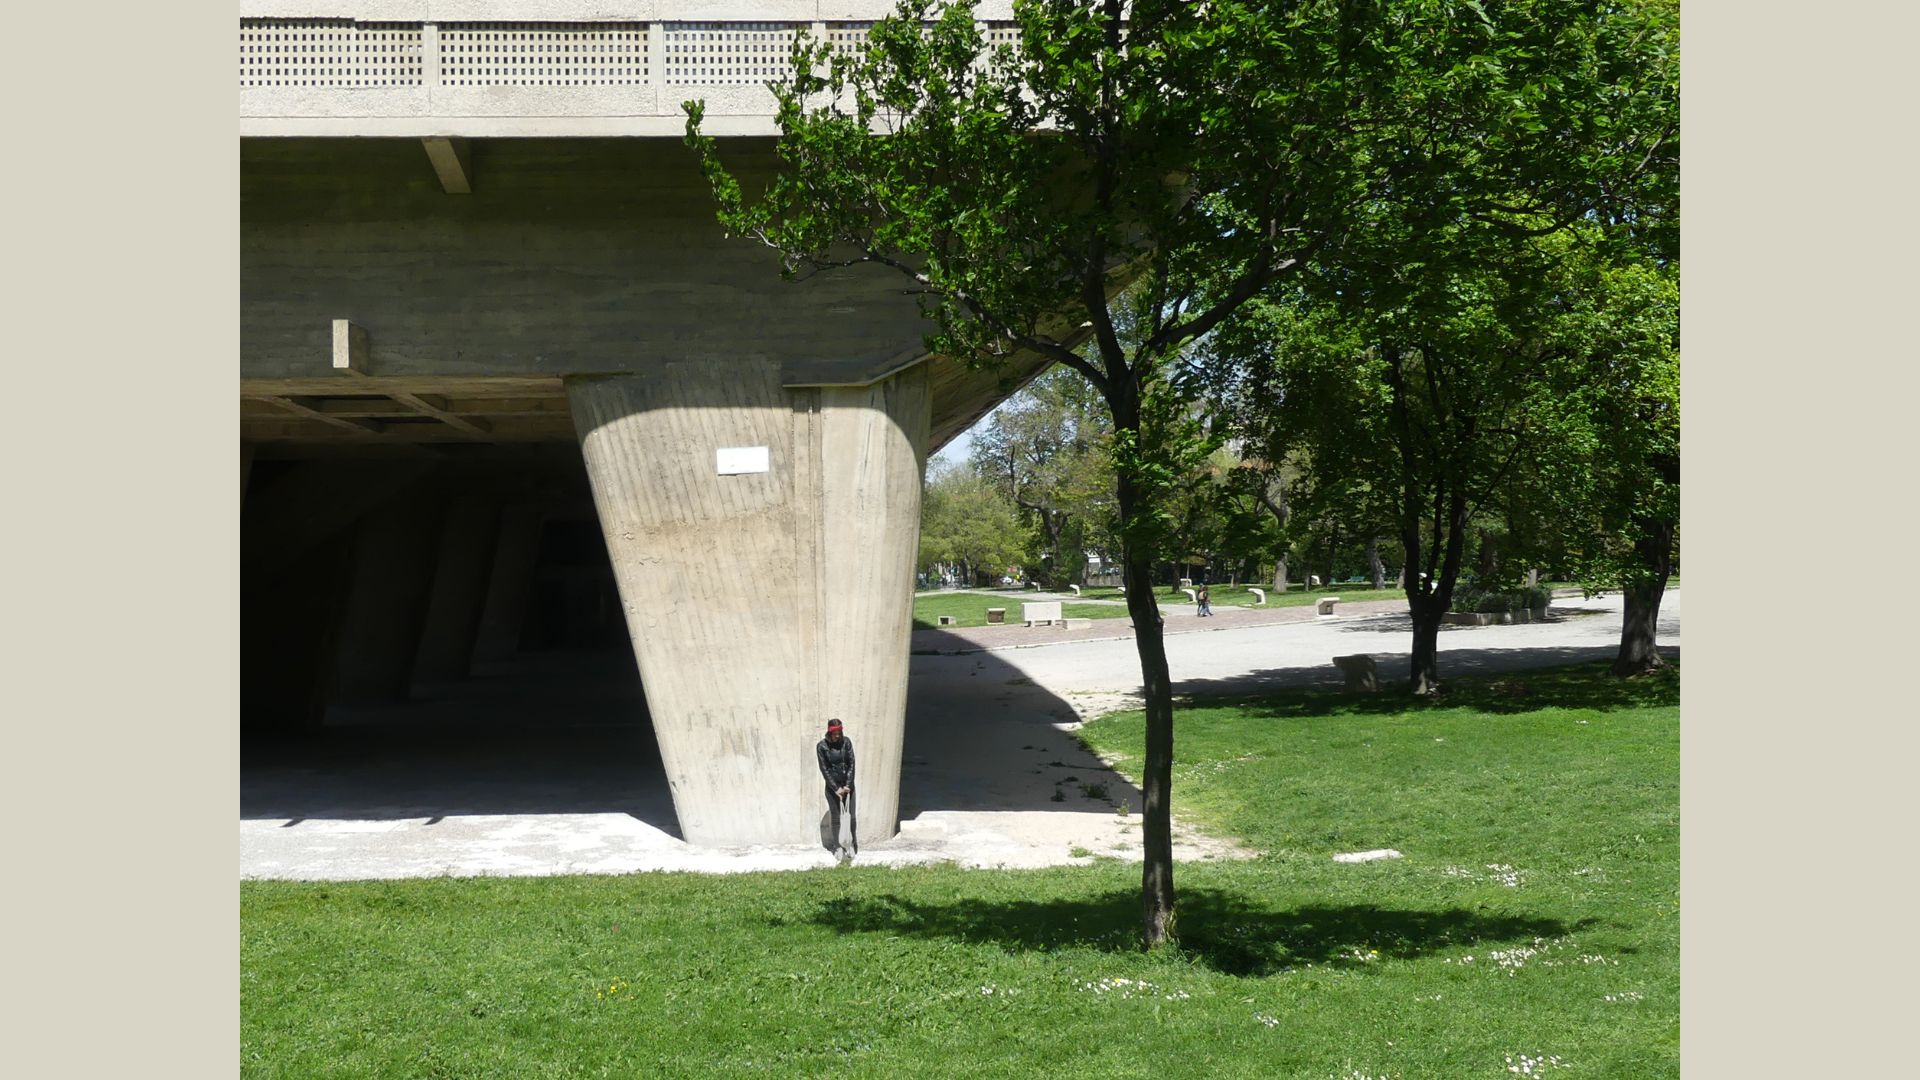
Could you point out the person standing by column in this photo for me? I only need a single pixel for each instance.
(835, 753)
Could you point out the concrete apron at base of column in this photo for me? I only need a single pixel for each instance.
(762, 600)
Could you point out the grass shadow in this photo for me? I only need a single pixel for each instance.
(1576, 686)
(1218, 929)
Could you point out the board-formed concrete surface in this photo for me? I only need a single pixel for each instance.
(988, 743)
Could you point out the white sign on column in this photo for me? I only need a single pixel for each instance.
(734, 460)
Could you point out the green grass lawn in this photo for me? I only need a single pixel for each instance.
(970, 609)
(1535, 914)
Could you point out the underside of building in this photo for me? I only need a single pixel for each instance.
(536, 460)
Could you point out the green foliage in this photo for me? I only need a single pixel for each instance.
(965, 521)
(1046, 450)
(1475, 598)
(1614, 471)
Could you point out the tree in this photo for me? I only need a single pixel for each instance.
(1616, 470)
(964, 521)
(1204, 152)
(1047, 450)
(1541, 385)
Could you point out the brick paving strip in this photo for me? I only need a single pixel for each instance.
(1017, 635)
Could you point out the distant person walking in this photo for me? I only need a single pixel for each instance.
(1205, 602)
(835, 753)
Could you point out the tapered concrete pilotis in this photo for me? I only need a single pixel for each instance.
(461, 575)
(393, 554)
(516, 549)
(762, 603)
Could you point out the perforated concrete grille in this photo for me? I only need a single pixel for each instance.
(718, 54)
(848, 37)
(329, 52)
(543, 54)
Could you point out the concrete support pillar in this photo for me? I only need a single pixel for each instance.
(460, 577)
(291, 625)
(760, 603)
(393, 555)
(509, 583)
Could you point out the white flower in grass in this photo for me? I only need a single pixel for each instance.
(1509, 876)
(1267, 1020)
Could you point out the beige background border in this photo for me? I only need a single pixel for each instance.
(122, 602)
(121, 542)
(1798, 737)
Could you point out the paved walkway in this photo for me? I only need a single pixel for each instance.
(989, 743)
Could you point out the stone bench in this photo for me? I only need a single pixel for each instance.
(1075, 588)
(1361, 672)
(1324, 605)
(996, 614)
(946, 620)
(1259, 596)
(1042, 611)
(1193, 595)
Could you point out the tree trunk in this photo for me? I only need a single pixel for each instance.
(1156, 884)
(1427, 610)
(1643, 591)
(1429, 600)
(1280, 576)
(1374, 565)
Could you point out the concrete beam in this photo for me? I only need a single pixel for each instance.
(349, 348)
(761, 603)
(313, 409)
(452, 163)
(436, 407)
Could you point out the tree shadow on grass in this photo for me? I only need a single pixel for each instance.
(1218, 929)
(1574, 686)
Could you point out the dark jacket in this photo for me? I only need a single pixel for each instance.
(836, 762)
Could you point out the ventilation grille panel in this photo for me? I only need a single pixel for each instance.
(722, 54)
(336, 53)
(543, 54)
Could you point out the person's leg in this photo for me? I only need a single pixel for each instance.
(833, 807)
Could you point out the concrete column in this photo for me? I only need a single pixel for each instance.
(291, 623)
(393, 552)
(515, 552)
(761, 603)
(460, 577)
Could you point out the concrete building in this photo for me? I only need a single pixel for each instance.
(505, 386)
